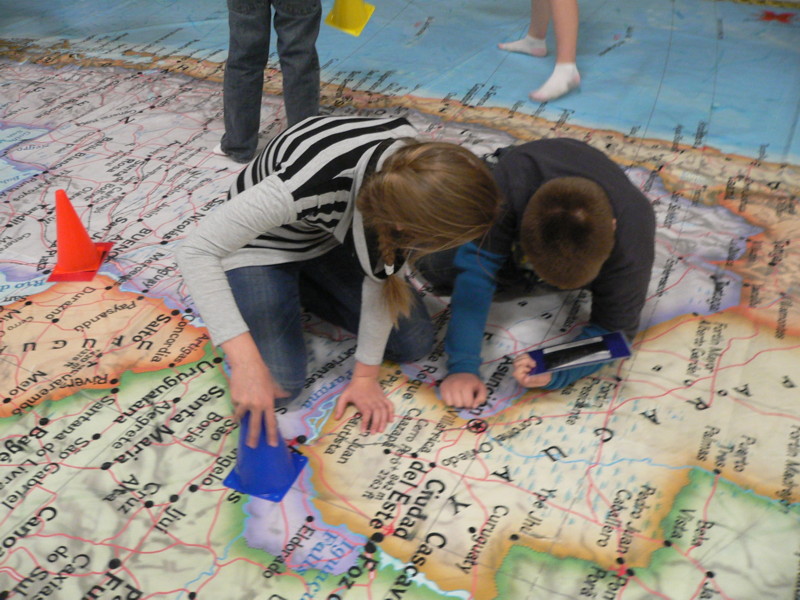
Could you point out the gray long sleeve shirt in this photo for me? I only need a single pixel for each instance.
(295, 201)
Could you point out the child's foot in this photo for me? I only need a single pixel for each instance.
(527, 45)
(220, 152)
(565, 78)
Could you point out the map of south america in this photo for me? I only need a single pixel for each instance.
(672, 474)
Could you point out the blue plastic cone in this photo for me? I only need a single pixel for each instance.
(264, 471)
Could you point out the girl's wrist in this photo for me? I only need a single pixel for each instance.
(363, 371)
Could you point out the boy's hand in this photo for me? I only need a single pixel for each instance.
(463, 390)
(523, 364)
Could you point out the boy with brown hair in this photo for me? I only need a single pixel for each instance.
(573, 217)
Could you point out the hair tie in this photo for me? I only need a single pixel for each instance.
(388, 269)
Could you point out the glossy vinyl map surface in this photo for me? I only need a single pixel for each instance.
(673, 474)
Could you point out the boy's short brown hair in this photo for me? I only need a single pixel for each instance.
(567, 231)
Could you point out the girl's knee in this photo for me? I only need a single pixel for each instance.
(412, 343)
(293, 393)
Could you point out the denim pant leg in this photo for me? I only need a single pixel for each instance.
(297, 25)
(414, 335)
(330, 287)
(439, 270)
(269, 301)
(248, 51)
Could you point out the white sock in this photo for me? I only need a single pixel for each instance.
(565, 77)
(527, 45)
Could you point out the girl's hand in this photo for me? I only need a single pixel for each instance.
(253, 389)
(523, 364)
(367, 395)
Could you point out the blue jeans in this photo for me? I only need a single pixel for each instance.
(440, 271)
(271, 300)
(297, 25)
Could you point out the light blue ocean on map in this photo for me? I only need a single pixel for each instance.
(700, 92)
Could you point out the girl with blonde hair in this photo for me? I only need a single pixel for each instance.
(325, 219)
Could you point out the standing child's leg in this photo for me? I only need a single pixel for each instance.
(534, 42)
(527, 45)
(248, 51)
(297, 25)
(565, 76)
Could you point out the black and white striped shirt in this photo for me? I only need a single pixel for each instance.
(295, 201)
(321, 162)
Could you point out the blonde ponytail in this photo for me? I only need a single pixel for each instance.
(396, 292)
(397, 296)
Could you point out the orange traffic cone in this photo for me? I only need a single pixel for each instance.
(265, 471)
(79, 257)
(349, 15)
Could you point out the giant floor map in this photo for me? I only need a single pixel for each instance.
(674, 474)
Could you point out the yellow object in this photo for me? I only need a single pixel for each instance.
(349, 15)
